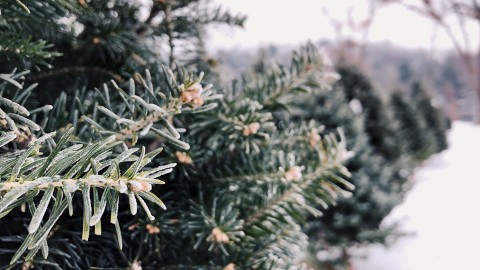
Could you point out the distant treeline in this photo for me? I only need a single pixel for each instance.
(390, 67)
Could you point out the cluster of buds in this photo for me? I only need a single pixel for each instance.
(23, 139)
(313, 137)
(183, 158)
(23, 135)
(192, 94)
(293, 174)
(251, 129)
(218, 236)
(27, 265)
(135, 265)
(152, 229)
(139, 186)
(96, 40)
(229, 266)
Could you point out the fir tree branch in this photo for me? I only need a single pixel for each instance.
(272, 85)
(68, 171)
(326, 181)
(13, 115)
(148, 112)
(35, 51)
(307, 181)
(92, 180)
(140, 125)
(283, 89)
(284, 244)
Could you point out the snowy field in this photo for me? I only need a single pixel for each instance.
(442, 211)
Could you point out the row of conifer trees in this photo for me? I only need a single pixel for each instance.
(389, 139)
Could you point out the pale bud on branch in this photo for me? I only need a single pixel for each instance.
(293, 174)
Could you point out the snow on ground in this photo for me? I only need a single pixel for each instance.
(442, 211)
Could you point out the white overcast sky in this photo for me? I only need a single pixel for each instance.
(294, 22)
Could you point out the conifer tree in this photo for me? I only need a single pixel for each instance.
(380, 166)
(381, 133)
(419, 142)
(354, 220)
(99, 114)
(433, 117)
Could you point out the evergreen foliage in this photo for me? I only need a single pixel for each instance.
(378, 124)
(354, 220)
(434, 118)
(379, 172)
(419, 142)
(100, 99)
(91, 42)
(84, 130)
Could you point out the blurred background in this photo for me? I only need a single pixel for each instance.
(394, 43)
